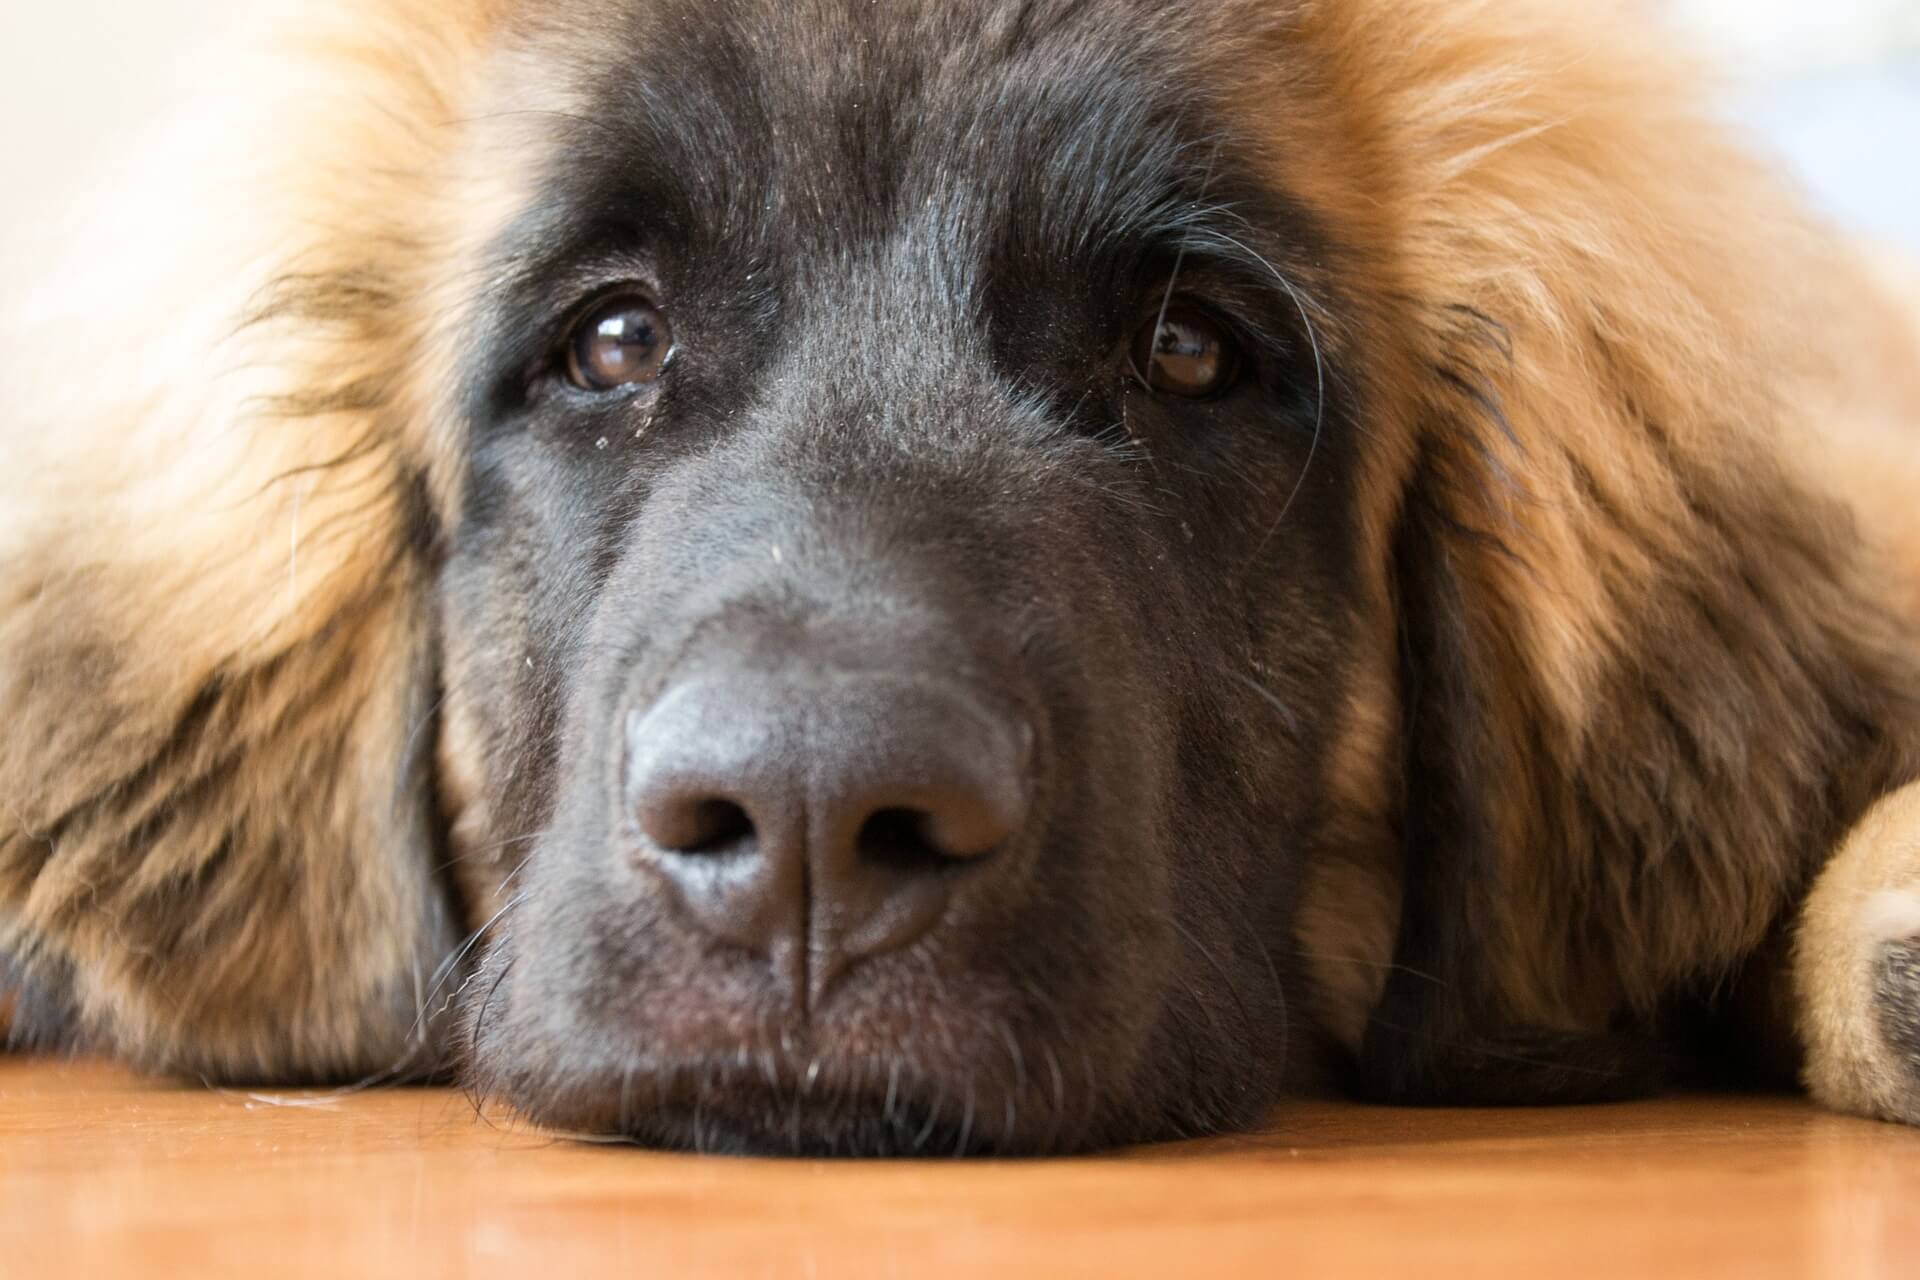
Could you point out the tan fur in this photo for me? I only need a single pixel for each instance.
(1867, 898)
(1348, 915)
(213, 630)
(205, 568)
(1874, 463)
(1528, 151)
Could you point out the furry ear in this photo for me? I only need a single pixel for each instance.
(216, 826)
(1648, 680)
(1483, 1003)
(229, 858)
(1650, 669)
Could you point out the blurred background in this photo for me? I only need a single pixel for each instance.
(1832, 85)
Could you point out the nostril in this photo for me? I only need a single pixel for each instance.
(956, 830)
(709, 824)
(901, 840)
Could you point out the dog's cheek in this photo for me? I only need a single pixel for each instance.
(479, 862)
(1348, 918)
(504, 677)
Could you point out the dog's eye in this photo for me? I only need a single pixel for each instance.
(1187, 353)
(622, 342)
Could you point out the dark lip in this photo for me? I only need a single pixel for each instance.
(771, 1108)
(911, 1133)
(850, 1129)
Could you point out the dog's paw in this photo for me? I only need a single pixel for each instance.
(1857, 968)
(36, 1016)
(1896, 994)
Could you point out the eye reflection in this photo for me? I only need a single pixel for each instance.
(1186, 353)
(623, 342)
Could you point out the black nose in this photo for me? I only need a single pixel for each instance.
(822, 817)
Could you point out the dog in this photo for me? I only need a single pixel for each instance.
(817, 577)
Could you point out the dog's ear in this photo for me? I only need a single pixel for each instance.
(216, 668)
(225, 848)
(1648, 678)
(1649, 671)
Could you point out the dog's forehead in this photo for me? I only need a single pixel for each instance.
(840, 120)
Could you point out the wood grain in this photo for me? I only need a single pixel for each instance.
(105, 1175)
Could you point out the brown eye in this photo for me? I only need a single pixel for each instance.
(1186, 353)
(622, 342)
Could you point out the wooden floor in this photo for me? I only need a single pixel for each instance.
(102, 1175)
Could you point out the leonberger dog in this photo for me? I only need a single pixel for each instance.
(1013, 576)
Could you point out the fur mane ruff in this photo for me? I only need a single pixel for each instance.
(214, 817)
(1617, 433)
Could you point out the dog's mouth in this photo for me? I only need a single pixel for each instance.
(832, 885)
(774, 1104)
(892, 1067)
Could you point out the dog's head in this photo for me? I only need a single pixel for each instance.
(948, 551)
(904, 584)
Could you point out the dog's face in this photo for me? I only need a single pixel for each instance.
(1004, 577)
(902, 594)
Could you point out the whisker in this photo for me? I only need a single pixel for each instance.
(1179, 260)
(409, 753)
(1266, 695)
(1225, 975)
(966, 1125)
(1383, 966)
(1300, 302)
(482, 851)
(456, 957)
